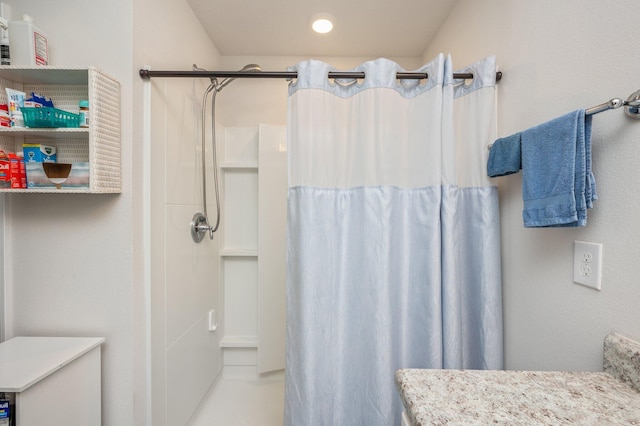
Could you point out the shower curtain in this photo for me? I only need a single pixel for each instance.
(393, 236)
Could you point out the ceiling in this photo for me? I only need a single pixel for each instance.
(364, 28)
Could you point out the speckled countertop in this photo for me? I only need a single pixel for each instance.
(473, 397)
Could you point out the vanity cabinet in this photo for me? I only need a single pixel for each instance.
(56, 380)
(98, 145)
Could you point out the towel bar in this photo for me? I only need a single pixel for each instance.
(612, 104)
(631, 106)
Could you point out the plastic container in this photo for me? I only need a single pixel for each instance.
(29, 45)
(49, 117)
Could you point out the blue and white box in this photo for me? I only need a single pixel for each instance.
(37, 153)
(5, 412)
(78, 177)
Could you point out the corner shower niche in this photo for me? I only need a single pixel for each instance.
(98, 145)
(253, 251)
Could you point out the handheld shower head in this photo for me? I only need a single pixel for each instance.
(200, 223)
(246, 68)
(251, 67)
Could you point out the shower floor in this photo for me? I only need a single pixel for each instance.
(242, 401)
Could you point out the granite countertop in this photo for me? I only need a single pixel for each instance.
(465, 397)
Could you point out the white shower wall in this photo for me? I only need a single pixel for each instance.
(181, 276)
(184, 274)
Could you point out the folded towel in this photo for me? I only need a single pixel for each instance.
(504, 156)
(590, 194)
(557, 183)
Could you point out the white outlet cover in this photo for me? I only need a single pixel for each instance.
(587, 264)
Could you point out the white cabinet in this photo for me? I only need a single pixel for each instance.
(98, 145)
(56, 380)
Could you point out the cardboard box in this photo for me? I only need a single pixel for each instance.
(78, 177)
(5, 410)
(11, 171)
(34, 152)
(5, 172)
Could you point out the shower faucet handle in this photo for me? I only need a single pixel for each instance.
(199, 227)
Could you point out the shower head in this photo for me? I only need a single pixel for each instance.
(194, 67)
(246, 68)
(251, 67)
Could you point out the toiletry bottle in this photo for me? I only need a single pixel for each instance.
(29, 44)
(5, 52)
(84, 113)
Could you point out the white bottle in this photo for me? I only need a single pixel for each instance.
(29, 44)
(5, 55)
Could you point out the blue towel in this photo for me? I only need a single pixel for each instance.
(557, 182)
(505, 156)
(590, 194)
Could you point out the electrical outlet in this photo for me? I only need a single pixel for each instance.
(587, 264)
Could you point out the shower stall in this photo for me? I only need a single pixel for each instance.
(250, 249)
(216, 306)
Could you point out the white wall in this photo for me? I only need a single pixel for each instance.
(69, 259)
(558, 56)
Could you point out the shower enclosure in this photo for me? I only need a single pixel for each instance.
(196, 286)
(184, 354)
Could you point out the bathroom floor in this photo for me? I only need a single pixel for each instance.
(242, 402)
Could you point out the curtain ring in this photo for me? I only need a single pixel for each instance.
(345, 82)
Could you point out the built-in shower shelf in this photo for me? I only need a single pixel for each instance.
(238, 253)
(239, 166)
(252, 251)
(239, 342)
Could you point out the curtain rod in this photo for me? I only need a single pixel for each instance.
(147, 74)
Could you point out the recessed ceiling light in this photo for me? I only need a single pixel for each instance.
(322, 23)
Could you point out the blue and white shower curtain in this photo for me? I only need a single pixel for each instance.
(393, 236)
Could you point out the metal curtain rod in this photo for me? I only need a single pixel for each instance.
(147, 74)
